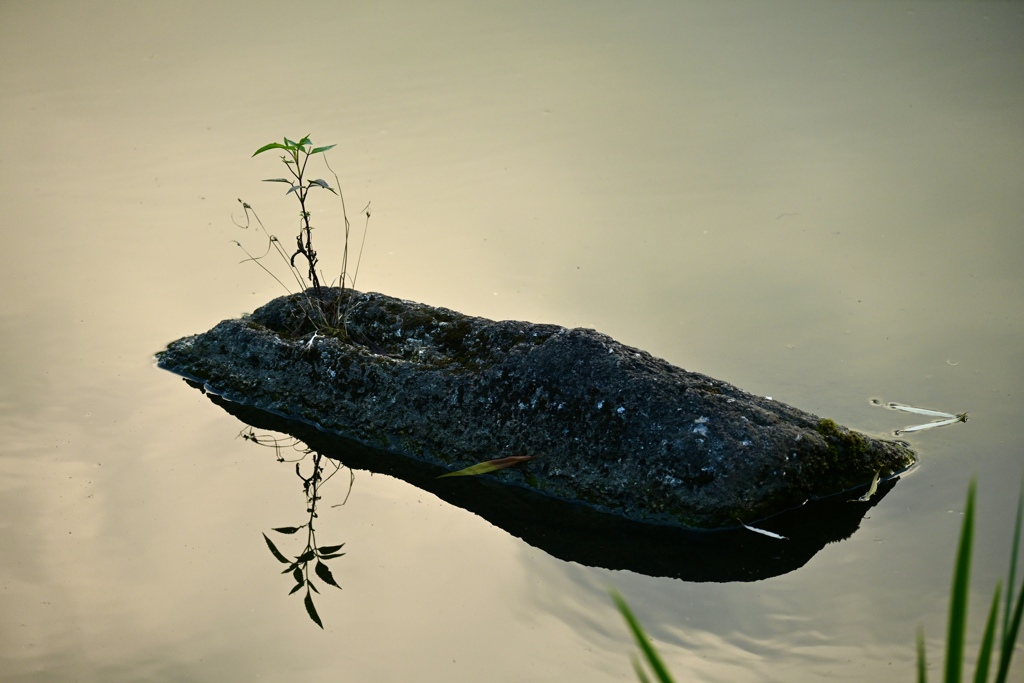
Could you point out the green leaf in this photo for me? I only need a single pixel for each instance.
(318, 150)
(489, 466)
(306, 556)
(296, 587)
(871, 489)
(1011, 577)
(304, 141)
(313, 586)
(1012, 617)
(297, 575)
(331, 556)
(277, 180)
(311, 610)
(319, 182)
(273, 549)
(988, 639)
(325, 574)
(328, 549)
(1010, 640)
(267, 148)
(653, 660)
(959, 594)
(288, 529)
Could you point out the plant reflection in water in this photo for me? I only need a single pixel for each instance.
(317, 555)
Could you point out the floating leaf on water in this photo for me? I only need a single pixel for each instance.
(918, 411)
(953, 419)
(489, 466)
(763, 532)
(871, 489)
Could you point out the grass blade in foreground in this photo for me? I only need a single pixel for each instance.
(1010, 640)
(958, 597)
(653, 660)
(1011, 624)
(922, 664)
(1013, 613)
(985, 654)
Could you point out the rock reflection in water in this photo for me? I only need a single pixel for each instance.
(578, 533)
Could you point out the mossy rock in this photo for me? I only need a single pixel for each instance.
(612, 426)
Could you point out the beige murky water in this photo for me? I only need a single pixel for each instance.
(818, 202)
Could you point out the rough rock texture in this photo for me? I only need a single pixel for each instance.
(612, 426)
(586, 535)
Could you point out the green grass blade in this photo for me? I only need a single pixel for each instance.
(1010, 640)
(642, 640)
(1013, 562)
(959, 594)
(1012, 614)
(641, 675)
(987, 640)
(922, 664)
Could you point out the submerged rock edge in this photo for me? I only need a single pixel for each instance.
(613, 426)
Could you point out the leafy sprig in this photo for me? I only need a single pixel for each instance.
(299, 566)
(295, 156)
(311, 561)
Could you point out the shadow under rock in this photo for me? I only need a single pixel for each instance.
(579, 533)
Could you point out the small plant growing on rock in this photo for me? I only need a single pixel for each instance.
(295, 156)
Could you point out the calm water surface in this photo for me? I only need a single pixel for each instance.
(817, 202)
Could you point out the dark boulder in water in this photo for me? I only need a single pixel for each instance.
(609, 425)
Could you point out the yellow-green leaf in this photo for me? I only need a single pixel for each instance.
(489, 466)
(871, 489)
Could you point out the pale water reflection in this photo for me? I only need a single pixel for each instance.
(818, 202)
